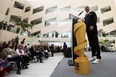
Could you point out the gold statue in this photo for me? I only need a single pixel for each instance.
(81, 63)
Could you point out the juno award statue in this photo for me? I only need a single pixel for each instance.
(79, 42)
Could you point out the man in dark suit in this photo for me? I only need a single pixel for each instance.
(90, 21)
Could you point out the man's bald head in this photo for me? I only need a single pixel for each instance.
(87, 9)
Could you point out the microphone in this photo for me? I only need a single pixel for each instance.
(80, 13)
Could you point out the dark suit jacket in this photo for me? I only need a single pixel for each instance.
(31, 49)
(91, 20)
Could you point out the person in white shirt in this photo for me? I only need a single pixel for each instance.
(9, 54)
(20, 51)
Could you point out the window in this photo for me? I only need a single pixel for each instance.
(38, 9)
(106, 9)
(108, 21)
(26, 20)
(79, 9)
(113, 33)
(36, 34)
(94, 8)
(53, 34)
(19, 5)
(50, 21)
(36, 21)
(50, 10)
(65, 9)
(7, 11)
(27, 9)
(64, 22)
(14, 18)
(66, 35)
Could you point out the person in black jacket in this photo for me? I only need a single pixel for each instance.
(1, 24)
(35, 51)
(4, 25)
(92, 34)
(52, 49)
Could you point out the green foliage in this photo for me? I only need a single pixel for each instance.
(104, 34)
(23, 24)
(104, 42)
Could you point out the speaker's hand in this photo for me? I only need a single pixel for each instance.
(91, 28)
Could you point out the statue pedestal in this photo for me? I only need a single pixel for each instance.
(82, 65)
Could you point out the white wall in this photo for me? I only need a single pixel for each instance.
(60, 16)
(74, 4)
(3, 7)
(6, 36)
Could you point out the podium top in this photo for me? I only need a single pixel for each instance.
(71, 16)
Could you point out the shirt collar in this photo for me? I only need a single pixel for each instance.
(88, 12)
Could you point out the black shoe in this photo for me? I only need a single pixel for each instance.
(41, 62)
(27, 64)
(26, 67)
(18, 72)
(37, 60)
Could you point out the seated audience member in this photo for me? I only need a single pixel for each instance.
(4, 44)
(36, 51)
(1, 46)
(20, 51)
(52, 49)
(46, 51)
(4, 67)
(32, 51)
(40, 53)
(4, 25)
(10, 55)
(1, 24)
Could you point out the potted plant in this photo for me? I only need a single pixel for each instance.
(23, 25)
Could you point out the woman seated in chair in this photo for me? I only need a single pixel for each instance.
(20, 51)
(10, 55)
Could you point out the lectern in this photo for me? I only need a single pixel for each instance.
(80, 60)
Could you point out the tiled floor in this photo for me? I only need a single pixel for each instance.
(40, 69)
